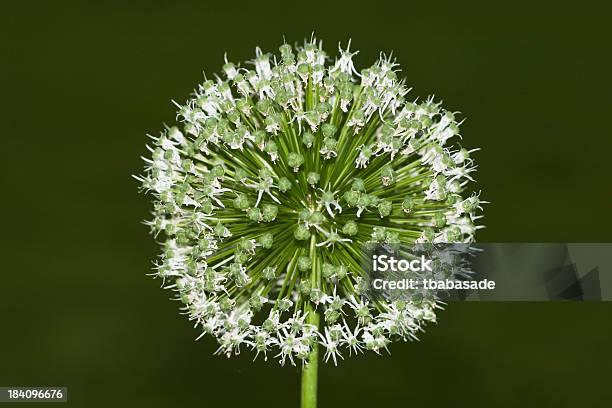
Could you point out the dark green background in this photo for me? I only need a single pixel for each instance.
(82, 84)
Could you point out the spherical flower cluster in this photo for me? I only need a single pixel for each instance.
(277, 176)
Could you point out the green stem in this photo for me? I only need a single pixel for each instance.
(310, 370)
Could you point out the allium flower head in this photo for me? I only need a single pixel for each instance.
(278, 174)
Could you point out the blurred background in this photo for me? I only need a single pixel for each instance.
(82, 84)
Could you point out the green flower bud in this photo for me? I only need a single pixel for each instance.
(384, 208)
(243, 106)
(351, 198)
(325, 109)
(429, 234)
(255, 302)
(448, 161)
(358, 185)
(331, 316)
(454, 128)
(284, 304)
(470, 204)
(286, 50)
(284, 184)
(266, 240)
(233, 116)
(453, 234)
(246, 245)
(425, 121)
(303, 69)
(408, 205)
(367, 200)
(170, 229)
(182, 239)
(220, 230)
(187, 165)
(230, 137)
(241, 257)
(241, 202)
(269, 273)
(268, 325)
(379, 234)
(387, 175)
(307, 139)
(254, 214)
(295, 160)
(206, 206)
(453, 199)
(313, 178)
(330, 143)
(316, 217)
(304, 263)
(271, 147)
(341, 272)
(335, 333)
(393, 240)
(281, 97)
(265, 106)
(301, 233)
(260, 137)
(203, 244)
(328, 270)
(185, 298)
(239, 175)
(315, 295)
(269, 212)
(226, 305)
(438, 220)
(328, 130)
(311, 117)
(192, 268)
(350, 228)
(305, 287)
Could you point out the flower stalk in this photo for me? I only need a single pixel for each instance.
(310, 371)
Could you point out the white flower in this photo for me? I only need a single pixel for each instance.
(331, 344)
(277, 175)
(345, 62)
